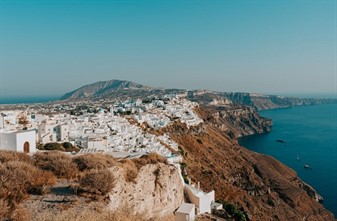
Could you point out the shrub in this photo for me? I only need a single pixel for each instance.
(186, 180)
(99, 182)
(20, 214)
(53, 146)
(6, 155)
(183, 165)
(239, 216)
(130, 170)
(199, 141)
(151, 158)
(94, 161)
(69, 147)
(58, 163)
(19, 178)
(4, 209)
(230, 209)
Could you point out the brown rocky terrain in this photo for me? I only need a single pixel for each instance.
(59, 187)
(156, 192)
(262, 186)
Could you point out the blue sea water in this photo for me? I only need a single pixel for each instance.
(310, 133)
(26, 100)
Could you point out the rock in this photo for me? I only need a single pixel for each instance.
(156, 192)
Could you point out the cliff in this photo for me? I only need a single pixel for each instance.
(156, 192)
(263, 102)
(262, 186)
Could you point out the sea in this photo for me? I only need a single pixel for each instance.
(27, 100)
(310, 135)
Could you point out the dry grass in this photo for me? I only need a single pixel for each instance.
(6, 155)
(17, 180)
(20, 178)
(20, 214)
(97, 182)
(21, 175)
(132, 167)
(130, 170)
(4, 208)
(58, 163)
(151, 158)
(94, 161)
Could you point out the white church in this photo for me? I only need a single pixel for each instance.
(20, 141)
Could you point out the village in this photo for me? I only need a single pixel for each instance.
(123, 130)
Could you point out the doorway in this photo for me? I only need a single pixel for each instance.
(26, 147)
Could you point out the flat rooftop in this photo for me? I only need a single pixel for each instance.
(186, 208)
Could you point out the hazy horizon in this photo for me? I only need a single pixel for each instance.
(49, 48)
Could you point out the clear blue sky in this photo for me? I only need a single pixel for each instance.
(51, 47)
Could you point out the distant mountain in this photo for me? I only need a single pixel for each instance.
(123, 89)
(102, 88)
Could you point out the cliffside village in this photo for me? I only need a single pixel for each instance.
(121, 130)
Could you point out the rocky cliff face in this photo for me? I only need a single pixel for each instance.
(239, 121)
(262, 186)
(263, 102)
(156, 192)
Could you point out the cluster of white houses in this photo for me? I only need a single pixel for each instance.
(110, 132)
(103, 131)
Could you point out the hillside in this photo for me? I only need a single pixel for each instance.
(263, 187)
(59, 187)
(101, 88)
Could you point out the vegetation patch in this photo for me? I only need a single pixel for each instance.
(66, 147)
(97, 182)
(18, 179)
(151, 158)
(6, 155)
(58, 163)
(94, 161)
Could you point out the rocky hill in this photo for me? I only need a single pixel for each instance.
(102, 88)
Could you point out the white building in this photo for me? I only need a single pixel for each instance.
(96, 142)
(21, 141)
(200, 199)
(186, 212)
(2, 122)
(53, 133)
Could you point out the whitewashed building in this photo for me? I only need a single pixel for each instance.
(186, 212)
(53, 133)
(200, 199)
(21, 141)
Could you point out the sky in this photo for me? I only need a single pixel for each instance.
(51, 47)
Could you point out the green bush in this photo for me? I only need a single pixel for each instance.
(53, 146)
(239, 216)
(230, 209)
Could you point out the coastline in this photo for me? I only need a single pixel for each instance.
(265, 143)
